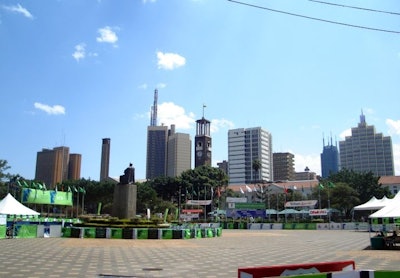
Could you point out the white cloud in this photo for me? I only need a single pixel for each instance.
(143, 86)
(19, 9)
(345, 133)
(170, 61)
(107, 35)
(169, 113)
(51, 110)
(80, 52)
(161, 85)
(217, 124)
(313, 162)
(394, 126)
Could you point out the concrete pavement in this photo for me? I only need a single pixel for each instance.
(204, 257)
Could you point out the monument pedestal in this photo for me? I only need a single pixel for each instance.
(124, 203)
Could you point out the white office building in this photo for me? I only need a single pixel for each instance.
(246, 145)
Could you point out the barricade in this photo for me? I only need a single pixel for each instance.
(295, 269)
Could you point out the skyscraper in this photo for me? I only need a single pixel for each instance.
(74, 166)
(156, 161)
(53, 166)
(179, 152)
(365, 150)
(105, 158)
(245, 146)
(283, 164)
(168, 152)
(329, 160)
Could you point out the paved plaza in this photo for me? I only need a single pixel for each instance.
(205, 257)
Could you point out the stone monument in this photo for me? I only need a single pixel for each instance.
(125, 195)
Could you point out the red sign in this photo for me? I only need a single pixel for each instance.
(192, 210)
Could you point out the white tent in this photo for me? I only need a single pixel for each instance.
(391, 210)
(10, 206)
(374, 204)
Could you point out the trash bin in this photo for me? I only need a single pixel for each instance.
(377, 243)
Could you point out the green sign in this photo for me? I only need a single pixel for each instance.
(249, 205)
(47, 197)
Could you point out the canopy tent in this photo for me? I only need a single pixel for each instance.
(392, 210)
(289, 211)
(374, 204)
(10, 206)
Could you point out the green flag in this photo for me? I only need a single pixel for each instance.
(331, 184)
(321, 186)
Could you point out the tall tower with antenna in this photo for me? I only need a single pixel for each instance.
(153, 118)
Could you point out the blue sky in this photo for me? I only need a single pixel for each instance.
(76, 71)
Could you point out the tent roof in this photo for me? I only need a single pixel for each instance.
(9, 205)
(374, 204)
(391, 210)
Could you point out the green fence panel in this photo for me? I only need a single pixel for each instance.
(166, 234)
(230, 225)
(311, 226)
(116, 233)
(25, 231)
(210, 232)
(300, 226)
(187, 234)
(386, 273)
(198, 233)
(142, 233)
(66, 232)
(89, 232)
(3, 230)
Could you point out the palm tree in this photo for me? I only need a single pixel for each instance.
(256, 167)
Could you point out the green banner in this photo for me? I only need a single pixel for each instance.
(249, 205)
(47, 197)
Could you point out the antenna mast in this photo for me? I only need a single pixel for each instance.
(153, 119)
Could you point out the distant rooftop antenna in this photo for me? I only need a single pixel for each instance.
(153, 119)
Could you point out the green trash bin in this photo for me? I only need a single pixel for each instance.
(377, 243)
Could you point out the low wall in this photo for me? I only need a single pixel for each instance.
(298, 226)
(141, 233)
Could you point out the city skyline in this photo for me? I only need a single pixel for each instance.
(74, 79)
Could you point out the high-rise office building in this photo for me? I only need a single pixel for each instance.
(329, 160)
(178, 152)
(105, 158)
(283, 165)
(74, 166)
(156, 161)
(365, 151)
(245, 146)
(168, 152)
(53, 166)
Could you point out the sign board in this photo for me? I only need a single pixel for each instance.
(307, 203)
(316, 212)
(47, 197)
(236, 200)
(198, 202)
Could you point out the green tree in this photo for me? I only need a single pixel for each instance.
(205, 182)
(365, 184)
(344, 198)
